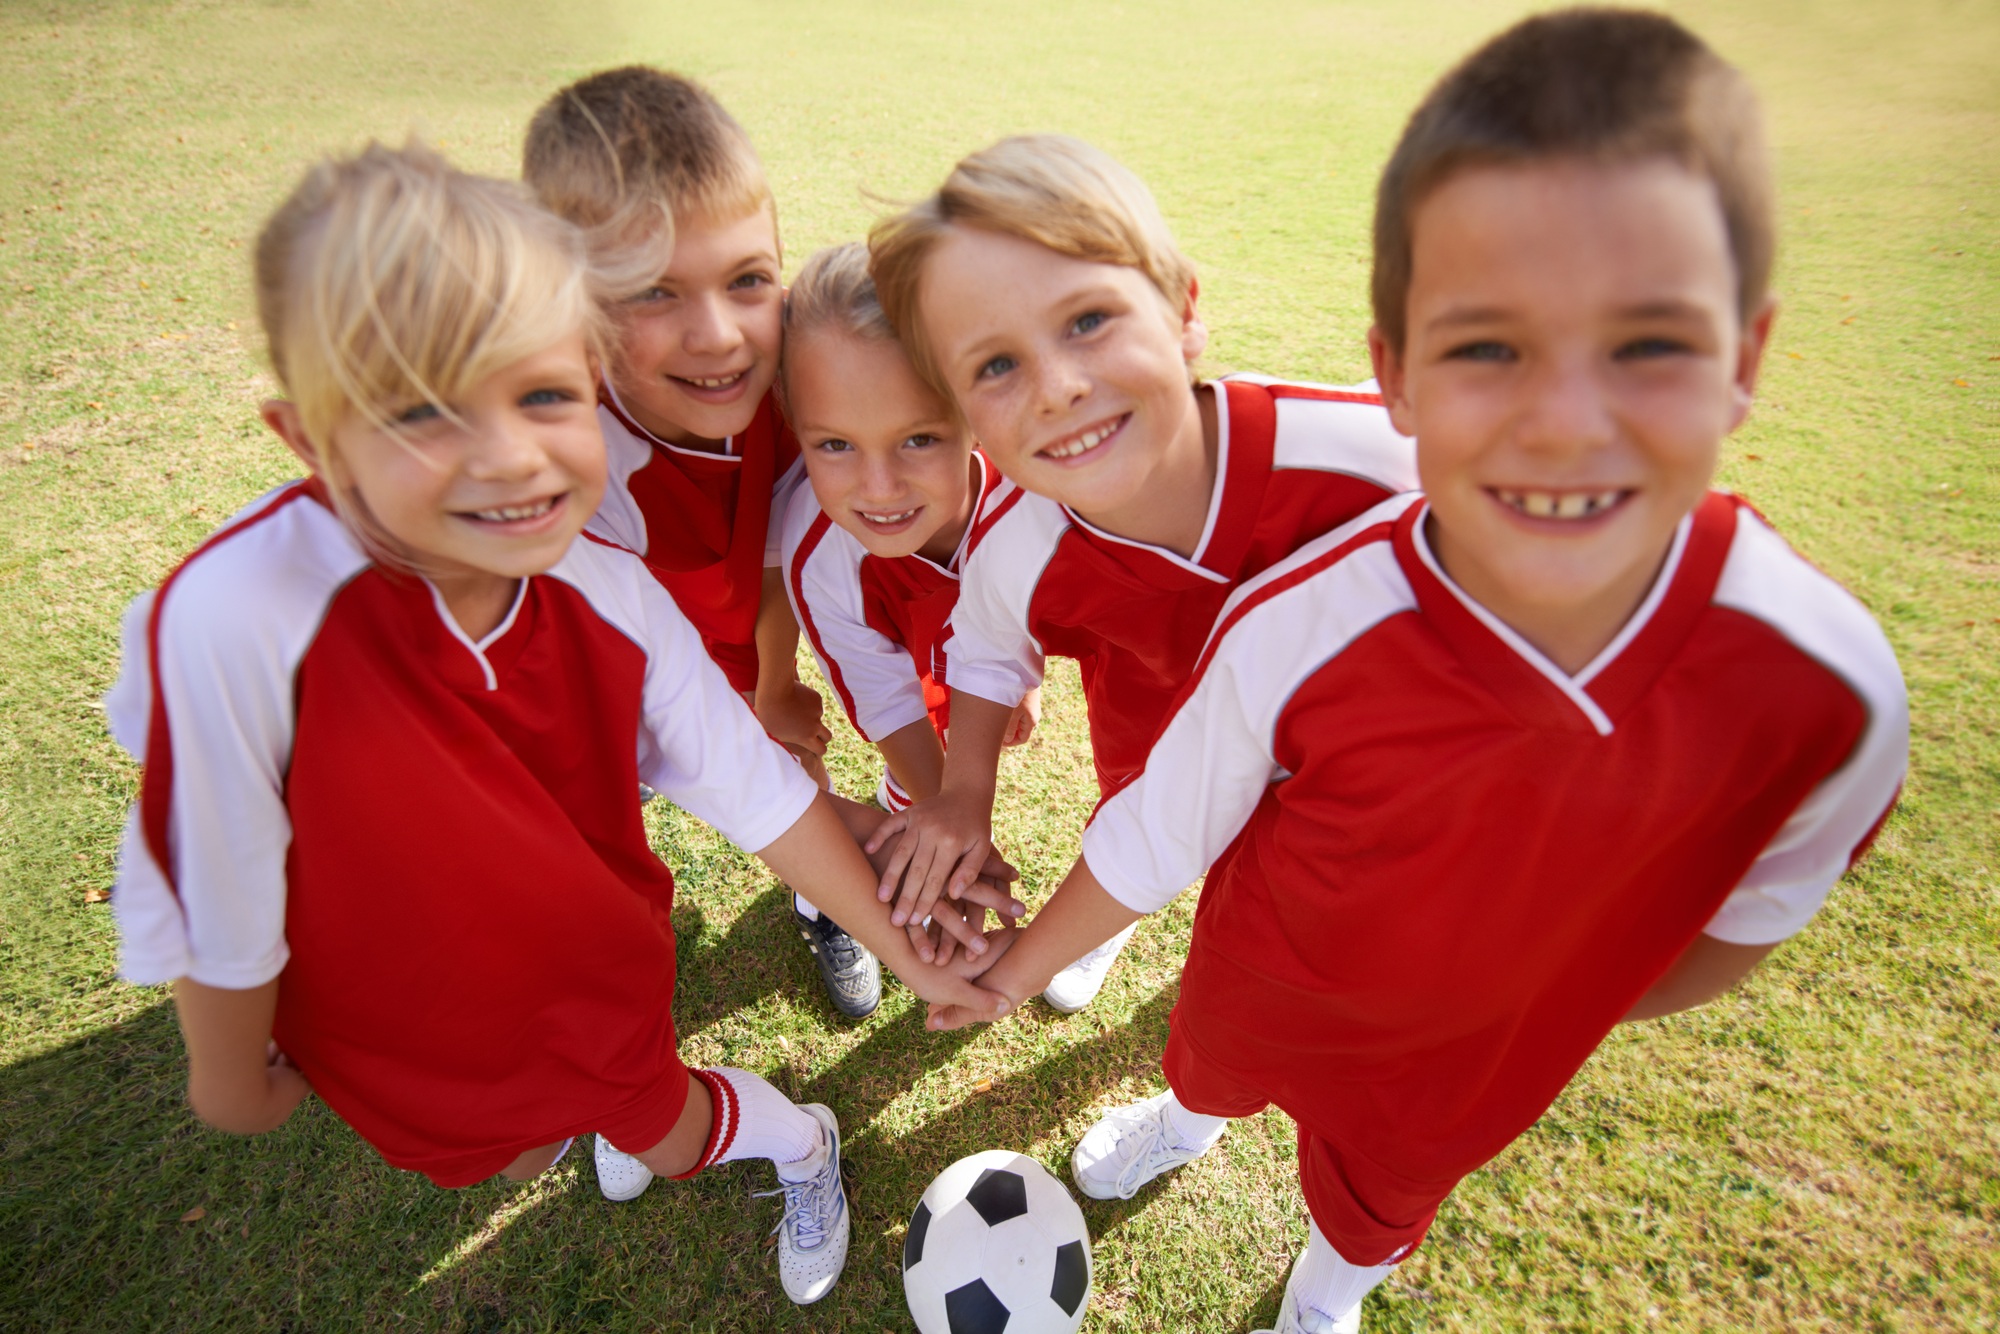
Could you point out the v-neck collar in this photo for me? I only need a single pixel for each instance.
(481, 648)
(1523, 678)
(956, 566)
(608, 396)
(1246, 432)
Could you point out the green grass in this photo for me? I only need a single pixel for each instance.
(1818, 1151)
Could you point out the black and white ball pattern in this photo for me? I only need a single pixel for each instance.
(997, 1244)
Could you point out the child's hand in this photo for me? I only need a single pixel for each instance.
(1026, 714)
(945, 843)
(944, 1015)
(794, 715)
(944, 989)
(962, 921)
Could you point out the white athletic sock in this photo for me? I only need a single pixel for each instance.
(1323, 1280)
(804, 909)
(1197, 1130)
(754, 1120)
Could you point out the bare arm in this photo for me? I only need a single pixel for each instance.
(916, 758)
(789, 709)
(1079, 917)
(1706, 969)
(818, 857)
(237, 1081)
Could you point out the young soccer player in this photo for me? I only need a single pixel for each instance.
(1566, 740)
(1041, 291)
(394, 717)
(872, 548)
(676, 204)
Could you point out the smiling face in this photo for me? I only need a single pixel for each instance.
(887, 460)
(1073, 375)
(698, 349)
(495, 496)
(1574, 357)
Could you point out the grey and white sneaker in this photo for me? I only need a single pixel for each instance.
(850, 973)
(620, 1176)
(1294, 1318)
(812, 1236)
(1077, 985)
(1128, 1147)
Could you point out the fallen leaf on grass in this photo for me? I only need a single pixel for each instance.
(1963, 384)
(1754, 458)
(770, 1240)
(983, 1086)
(97, 896)
(194, 1215)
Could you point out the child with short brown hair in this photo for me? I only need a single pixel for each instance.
(1567, 739)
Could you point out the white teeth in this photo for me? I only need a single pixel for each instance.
(887, 519)
(1560, 504)
(1088, 440)
(713, 383)
(509, 513)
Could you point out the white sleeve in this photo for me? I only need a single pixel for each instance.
(782, 491)
(217, 914)
(1791, 878)
(617, 518)
(700, 745)
(990, 651)
(874, 676)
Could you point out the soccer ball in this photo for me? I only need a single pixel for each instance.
(997, 1244)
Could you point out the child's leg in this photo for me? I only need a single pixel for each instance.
(1325, 1290)
(533, 1162)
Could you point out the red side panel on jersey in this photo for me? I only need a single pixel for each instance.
(706, 521)
(156, 782)
(814, 535)
(909, 601)
(506, 844)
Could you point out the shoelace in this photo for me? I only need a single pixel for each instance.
(844, 950)
(803, 1208)
(1146, 1138)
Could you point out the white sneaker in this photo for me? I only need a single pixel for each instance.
(1294, 1319)
(1077, 985)
(620, 1176)
(812, 1236)
(1127, 1148)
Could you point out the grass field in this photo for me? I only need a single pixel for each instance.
(1821, 1150)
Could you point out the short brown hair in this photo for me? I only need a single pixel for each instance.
(1047, 188)
(626, 152)
(1602, 85)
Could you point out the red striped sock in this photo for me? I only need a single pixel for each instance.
(753, 1120)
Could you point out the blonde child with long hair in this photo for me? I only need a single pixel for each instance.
(394, 718)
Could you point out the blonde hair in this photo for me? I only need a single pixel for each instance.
(1058, 192)
(1598, 85)
(833, 291)
(626, 152)
(390, 277)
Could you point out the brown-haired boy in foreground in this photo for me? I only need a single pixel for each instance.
(1566, 740)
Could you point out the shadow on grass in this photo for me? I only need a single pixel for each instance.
(305, 1228)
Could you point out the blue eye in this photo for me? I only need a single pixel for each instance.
(1088, 321)
(541, 398)
(647, 297)
(995, 367)
(1483, 350)
(418, 415)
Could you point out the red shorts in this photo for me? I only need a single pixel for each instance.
(1371, 1215)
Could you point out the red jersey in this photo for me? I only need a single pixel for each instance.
(703, 522)
(876, 625)
(1292, 461)
(1442, 868)
(434, 843)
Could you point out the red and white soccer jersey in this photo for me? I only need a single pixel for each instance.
(1440, 869)
(876, 625)
(434, 843)
(679, 509)
(1293, 461)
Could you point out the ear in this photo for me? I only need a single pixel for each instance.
(1750, 359)
(1389, 375)
(1194, 334)
(282, 416)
